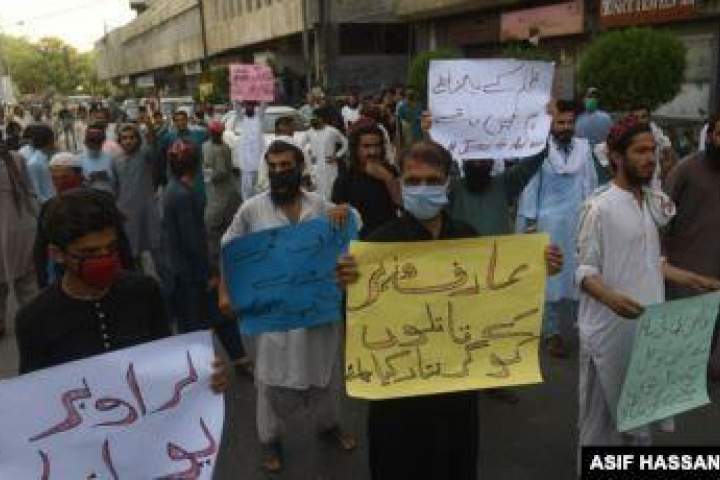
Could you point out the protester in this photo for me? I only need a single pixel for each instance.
(369, 184)
(351, 111)
(551, 203)
(101, 118)
(66, 172)
(136, 197)
(327, 147)
(300, 366)
(223, 202)
(43, 147)
(18, 211)
(374, 113)
(247, 125)
(185, 241)
(96, 308)
(593, 124)
(285, 131)
(692, 238)
(620, 270)
(97, 164)
(181, 131)
(445, 444)
(409, 113)
(666, 158)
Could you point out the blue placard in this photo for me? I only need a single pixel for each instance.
(284, 278)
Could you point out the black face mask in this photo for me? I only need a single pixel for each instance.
(477, 175)
(284, 186)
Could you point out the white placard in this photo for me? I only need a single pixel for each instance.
(141, 413)
(485, 109)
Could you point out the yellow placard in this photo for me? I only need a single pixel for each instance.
(443, 316)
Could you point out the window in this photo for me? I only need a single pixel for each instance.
(373, 39)
(249, 5)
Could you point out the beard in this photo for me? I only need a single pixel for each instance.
(563, 137)
(285, 187)
(634, 177)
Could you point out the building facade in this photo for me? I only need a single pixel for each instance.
(366, 44)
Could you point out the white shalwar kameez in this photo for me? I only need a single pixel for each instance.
(619, 241)
(323, 147)
(249, 146)
(298, 366)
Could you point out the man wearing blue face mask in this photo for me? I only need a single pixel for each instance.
(444, 447)
(593, 124)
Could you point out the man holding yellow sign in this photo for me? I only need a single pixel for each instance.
(435, 351)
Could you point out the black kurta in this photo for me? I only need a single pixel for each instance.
(56, 329)
(432, 437)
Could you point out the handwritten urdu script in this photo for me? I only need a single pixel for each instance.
(141, 413)
(449, 315)
(667, 372)
(486, 109)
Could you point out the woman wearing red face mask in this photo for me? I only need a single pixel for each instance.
(67, 175)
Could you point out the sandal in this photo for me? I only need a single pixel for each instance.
(346, 441)
(272, 454)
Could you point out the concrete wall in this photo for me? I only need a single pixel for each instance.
(363, 11)
(231, 25)
(167, 34)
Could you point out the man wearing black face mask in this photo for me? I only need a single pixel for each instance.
(692, 240)
(551, 203)
(483, 196)
(298, 368)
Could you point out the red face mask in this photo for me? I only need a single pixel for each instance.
(99, 272)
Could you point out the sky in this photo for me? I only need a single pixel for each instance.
(79, 22)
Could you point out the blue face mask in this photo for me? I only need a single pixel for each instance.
(425, 202)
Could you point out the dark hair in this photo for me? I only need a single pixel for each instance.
(280, 146)
(430, 153)
(156, 113)
(182, 158)
(42, 136)
(129, 127)
(623, 132)
(639, 106)
(712, 123)
(80, 212)
(565, 106)
(286, 120)
(180, 112)
(359, 129)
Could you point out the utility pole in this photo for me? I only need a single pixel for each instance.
(203, 31)
(306, 45)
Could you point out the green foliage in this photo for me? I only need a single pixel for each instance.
(220, 79)
(49, 66)
(634, 66)
(420, 64)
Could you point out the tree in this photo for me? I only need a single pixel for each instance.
(49, 66)
(634, 67)
(420, 65)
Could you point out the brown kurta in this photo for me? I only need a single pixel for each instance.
(692, 240)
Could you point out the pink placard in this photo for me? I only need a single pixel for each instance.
(251, 82)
